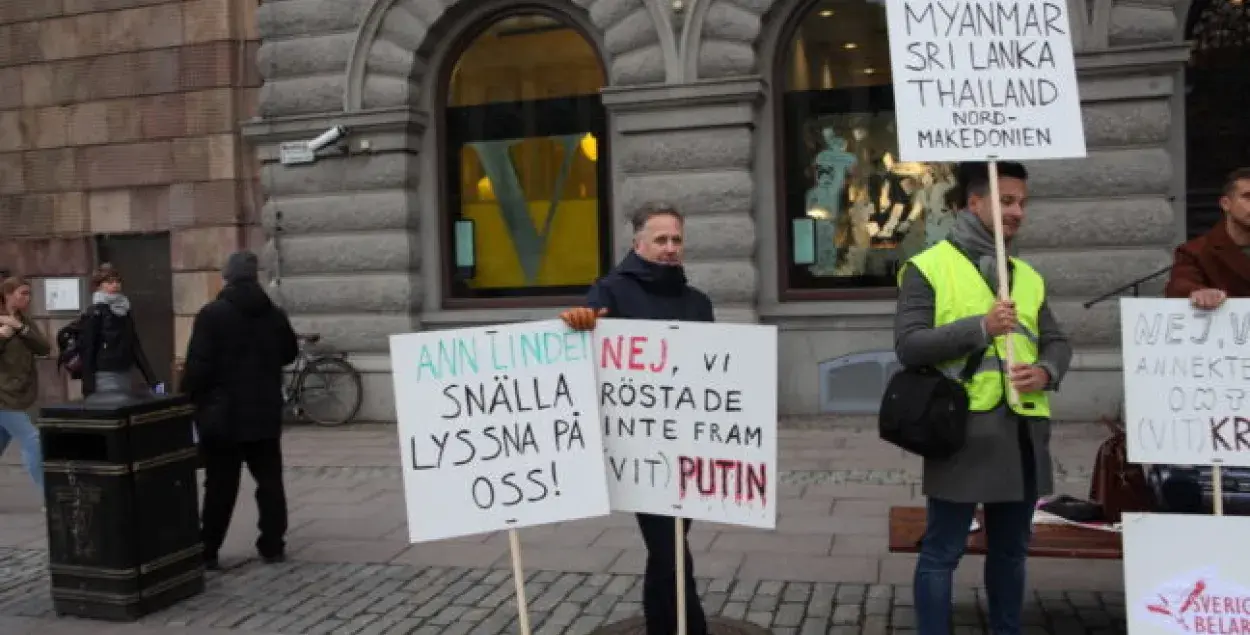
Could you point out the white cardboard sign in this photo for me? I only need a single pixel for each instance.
(1186, 381)
(497, 428)
(980, 80)
(1186, 574)
(689, 419)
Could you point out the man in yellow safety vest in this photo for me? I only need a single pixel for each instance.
(948, 310)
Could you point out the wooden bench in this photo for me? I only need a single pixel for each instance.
(1049, 541)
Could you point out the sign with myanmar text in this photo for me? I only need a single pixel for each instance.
(497, 428)
(689, 419)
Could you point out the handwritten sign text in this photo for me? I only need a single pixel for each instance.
(498, 428)
(984, 79)
(1187, 382)
(689, 419)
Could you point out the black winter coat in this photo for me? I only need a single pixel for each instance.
(641, 290)
(110, 343)
(240, 343)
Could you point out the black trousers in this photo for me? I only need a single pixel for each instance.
(223, 464)
(659, 584)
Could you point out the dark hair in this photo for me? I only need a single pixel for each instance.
(974, 177)
(9, 285)
(639, 218)
(105, 273)
(1240, 174)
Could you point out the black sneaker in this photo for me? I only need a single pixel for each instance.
(211, 563)
(274, 559)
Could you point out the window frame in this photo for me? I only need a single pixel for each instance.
(448, 166)
(781, 191)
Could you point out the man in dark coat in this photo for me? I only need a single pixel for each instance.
(650, 284)
(240, 343)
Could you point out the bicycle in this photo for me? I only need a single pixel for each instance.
(311, 377)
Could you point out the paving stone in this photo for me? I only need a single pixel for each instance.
(345, 491)
(789, 614)
(378, 600)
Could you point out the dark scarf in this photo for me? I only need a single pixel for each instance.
(655, 277)
(977, 241)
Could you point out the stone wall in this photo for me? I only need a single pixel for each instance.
(120, 117)
(1093, 224)
(691, 146)
(354, 239)
(355, 236)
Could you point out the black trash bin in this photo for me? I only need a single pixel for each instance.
(122, 501)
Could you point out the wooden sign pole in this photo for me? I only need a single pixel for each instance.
(1004, 285)
(679, 542)
(1217, 488)
(518, 577)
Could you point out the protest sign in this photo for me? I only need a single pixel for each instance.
(1186, 382)
(981, 80)
(497, 428)
(1199, 583)
(689, 416)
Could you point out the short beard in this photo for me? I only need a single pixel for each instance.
(1243, 225)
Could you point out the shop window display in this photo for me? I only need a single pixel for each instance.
(854, 211)
(522, 134)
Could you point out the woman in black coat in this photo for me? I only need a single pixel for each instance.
(110, 341)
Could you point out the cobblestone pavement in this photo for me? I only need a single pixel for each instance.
(823, 570)
(307, 598)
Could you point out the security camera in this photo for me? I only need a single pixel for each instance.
(327, 138)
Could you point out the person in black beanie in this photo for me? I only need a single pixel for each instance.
(240, 342)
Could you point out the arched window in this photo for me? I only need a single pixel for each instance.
(524, 178)
(852, 211)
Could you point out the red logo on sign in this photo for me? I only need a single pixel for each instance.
(1202, 607)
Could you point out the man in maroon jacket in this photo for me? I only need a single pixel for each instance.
(1208, 270)
(1216, 265)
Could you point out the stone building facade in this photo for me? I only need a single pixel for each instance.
(119, 140)
(695, 114)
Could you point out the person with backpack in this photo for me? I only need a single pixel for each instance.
(949, 315)
(108, 340)
(20, 343)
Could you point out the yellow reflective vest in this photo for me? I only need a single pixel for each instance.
(960, 291)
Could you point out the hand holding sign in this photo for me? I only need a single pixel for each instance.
(582, 318)
(1001, 319)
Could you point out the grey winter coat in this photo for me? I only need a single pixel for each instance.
(1006, 457)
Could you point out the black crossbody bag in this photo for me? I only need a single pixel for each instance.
(925, 412)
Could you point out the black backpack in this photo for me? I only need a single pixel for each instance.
(925, 412)
(69, 343)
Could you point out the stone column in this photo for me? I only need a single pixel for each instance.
(343, 251)
(691, 145)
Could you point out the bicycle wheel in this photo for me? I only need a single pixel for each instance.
(330, 391)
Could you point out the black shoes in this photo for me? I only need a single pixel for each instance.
(274, 559)
(211, 563)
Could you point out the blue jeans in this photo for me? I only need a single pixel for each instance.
(1008, 529)
(15, 424)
